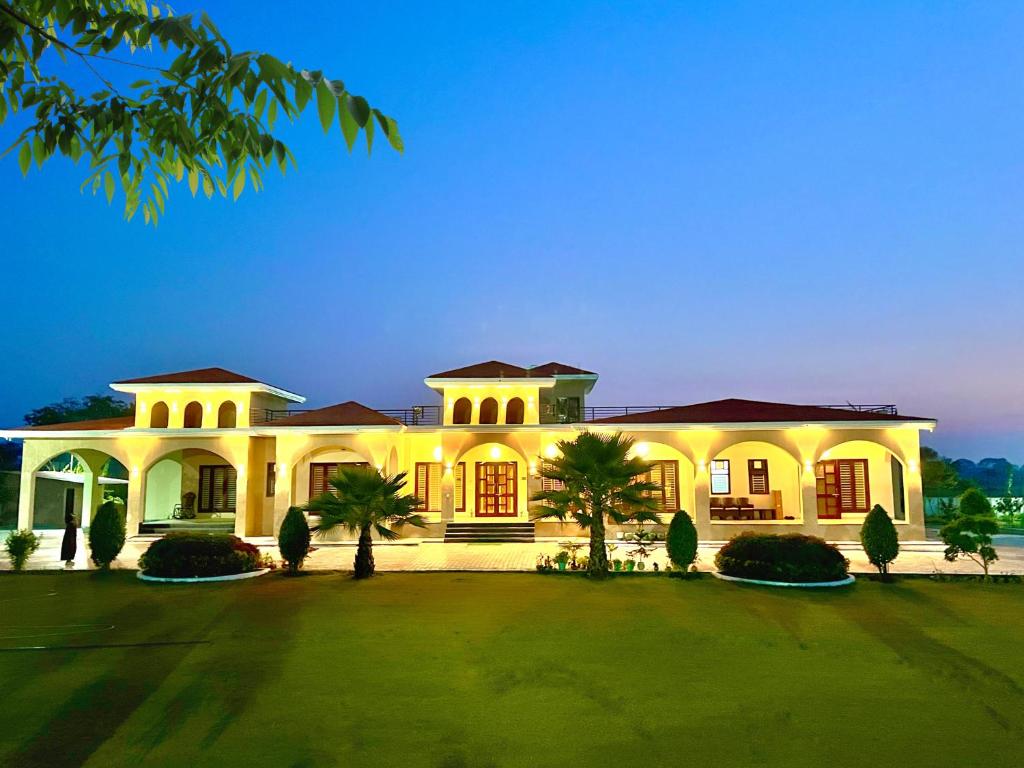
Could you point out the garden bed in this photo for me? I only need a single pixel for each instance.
(200, 579)
(802, 584)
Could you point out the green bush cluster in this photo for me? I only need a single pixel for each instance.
(681, 542)
(19, 546)
(293, 539)
(791, 557)
(879, 538)
(188, 555)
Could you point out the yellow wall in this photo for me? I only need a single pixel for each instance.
(502, 393)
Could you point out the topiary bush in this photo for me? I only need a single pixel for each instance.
(188, 555)
(792, 557)
(879, 538)
(19, 546)
(293, 539)
(681, 541)
(107, 534)
(973, 503)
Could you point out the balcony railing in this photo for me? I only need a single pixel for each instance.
(431, 415)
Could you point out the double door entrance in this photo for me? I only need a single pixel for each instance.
(496, 489)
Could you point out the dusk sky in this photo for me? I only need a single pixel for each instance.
(810, 202)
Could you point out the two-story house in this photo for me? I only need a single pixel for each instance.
(236, 453)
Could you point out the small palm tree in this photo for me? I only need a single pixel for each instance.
(598, 480)
(365, 501)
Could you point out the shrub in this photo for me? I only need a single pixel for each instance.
(969, 534)
(293, 539)
(792, 557)
(19, 546)
(879, 538)
(187, 555)
(973, 502)
(107, 534)
(681, 541)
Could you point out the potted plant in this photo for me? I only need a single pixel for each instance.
(630, 564)
(562, 559)
(617, 564)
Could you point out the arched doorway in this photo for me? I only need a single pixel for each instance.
(489, 411)
(515, 410)
(852, 476)
(755, 481)
(159, 415)
(193, 417)
(77, 481)
(191, 488)
(227, 415)
(495, 477)
(462, 411)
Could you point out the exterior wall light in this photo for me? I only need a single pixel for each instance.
(533, 467)
(642, 449)
(550, 450)
(437, 453)
(495, 452)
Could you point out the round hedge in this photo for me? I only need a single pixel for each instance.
(189, 555)
(792, 557)
(107, 534)
(681, 541)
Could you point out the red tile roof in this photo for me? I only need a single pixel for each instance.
(734, 410)
(118, 422)
(350, 414)
(198, 376)
(495, 369)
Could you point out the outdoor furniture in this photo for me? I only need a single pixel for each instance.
(187, 509)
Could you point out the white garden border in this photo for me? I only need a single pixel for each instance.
(202, 579)
(806, 584)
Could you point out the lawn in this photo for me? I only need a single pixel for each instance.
(507, 670)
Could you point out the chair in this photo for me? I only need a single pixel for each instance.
(187, 509)
(728, 501)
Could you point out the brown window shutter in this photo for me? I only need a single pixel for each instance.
(757, 471)
(460, 487)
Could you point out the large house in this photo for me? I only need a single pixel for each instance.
(233, 449)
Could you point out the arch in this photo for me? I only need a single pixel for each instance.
(763, 479)
(462, 411)
(304, 475)
(193, 416)
(159, 415)
(85, 479)
(227, 415)
(515, 410)
(489, 411)
(492, 452)
(884, 477)
(172, 475)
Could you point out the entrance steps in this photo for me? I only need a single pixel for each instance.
(462, 533)
(205, 525)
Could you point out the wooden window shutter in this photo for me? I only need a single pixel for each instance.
(460, 487)
(757, 471)
(205, 489)
(670, 481)
(854, 495)
(549, 483)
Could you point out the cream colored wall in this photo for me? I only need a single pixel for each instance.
(783, 475)
(177, 399)
(163, 489)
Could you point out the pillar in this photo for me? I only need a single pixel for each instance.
(702, 503)
(27, 495)
(809, 502)
(136, 501)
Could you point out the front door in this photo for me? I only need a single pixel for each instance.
(842, 486)
(496, 489)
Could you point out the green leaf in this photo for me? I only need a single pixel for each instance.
(272, 115)
(25, 158)
(394, 137)
(359, 108)
(239, 183)
(38, 150)
(369, 136)
(207, 186)
(261, 103)
(303, 91)
(349, 127)
(325, 104)
(193, 182)
(108, 185)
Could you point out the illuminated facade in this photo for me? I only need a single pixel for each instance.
(246, 451)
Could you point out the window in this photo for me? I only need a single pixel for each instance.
(428, 485)
(217, 487)
(496, 489)
(159, 416)
(515, 411)
(489, 411)
(720, 476)
(271, 479)
(462, 412)
(550, 483)
(899, 510)
(757, 472)
(227, 415)
(460, 487)
(321, 472)
(842, 487)
(567, 410)
(665, 474)
(193, 418)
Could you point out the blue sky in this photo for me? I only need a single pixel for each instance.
(805, 202)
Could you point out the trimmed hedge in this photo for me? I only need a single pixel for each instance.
(107, 534)
(187, 555)
(791, 557)
(681, 541)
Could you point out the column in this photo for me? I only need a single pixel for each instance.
(27, 495)
(809, 502)
(702, 503)
(136, 501)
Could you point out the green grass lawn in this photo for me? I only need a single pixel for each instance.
(508, 670)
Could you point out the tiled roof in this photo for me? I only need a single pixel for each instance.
(495, 369)
(350, 414)
(734, 410)
(118, 422)
(198, 376)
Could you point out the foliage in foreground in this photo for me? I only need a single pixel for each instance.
(107, 534)
(792, 557)
(183, 554)
(598, 480)
(19, 546)
(879, 538)
(293, 539)
(365, 501)
(681, 541)
(208, 115)
(969, 534)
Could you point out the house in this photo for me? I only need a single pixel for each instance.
(248, 451)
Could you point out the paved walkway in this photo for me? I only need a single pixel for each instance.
(920, 558)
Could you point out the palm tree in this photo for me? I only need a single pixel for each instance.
(598, 479)
(364, 500)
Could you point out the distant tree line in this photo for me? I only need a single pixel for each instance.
(941, 476)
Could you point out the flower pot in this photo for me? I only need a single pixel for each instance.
(561, 566)
(630, 566)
